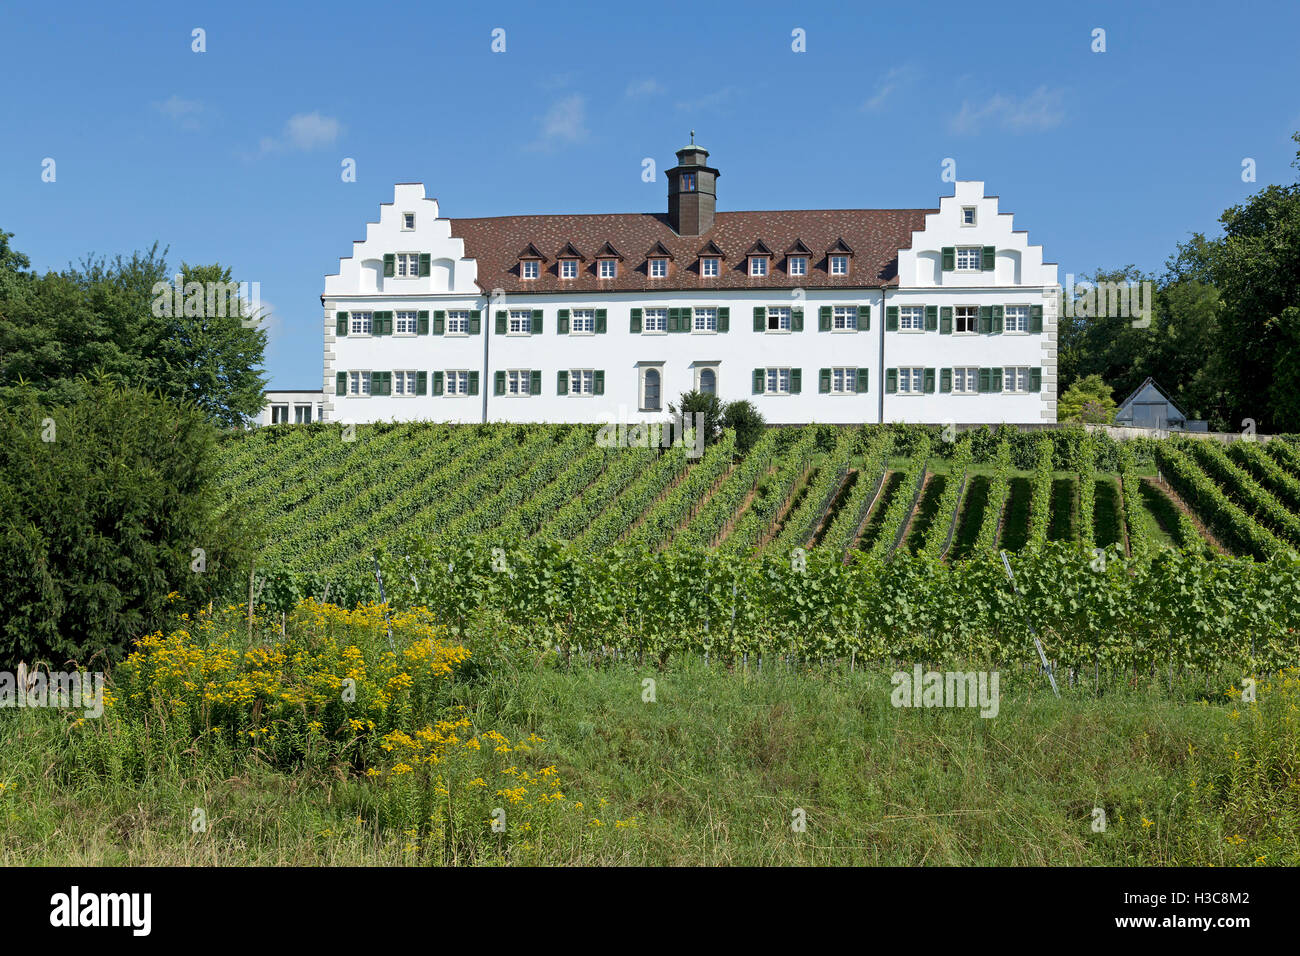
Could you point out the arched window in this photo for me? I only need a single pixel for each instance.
(708, 381)
(652, 389)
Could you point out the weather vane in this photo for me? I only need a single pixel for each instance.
(692, 137)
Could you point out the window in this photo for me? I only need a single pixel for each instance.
(582, 381)
(909, 381)
(709, 268)
(582, 321)
(302, 414)
(969, 258)
(1015, 379)
(568, 268)
(358, 383)
(778, 381)
(408, 221)
(965, 381)
(608, 268)
(706, 320)
(658, 268)
(404, 323)
(360, 323)
(458, 323)
(655, 320)
(839, 265)
(517, 381)
(844, 381)
(911, 318)
(758, 265)
(650, 390)
(778, 319)
(521, 322)
(279, 414)
(457, 382)
(965, 318)
(968, 215)
(408, 265)
(709, 381)
(403, 383)
(798, 265)
(844, 317)
(530, 269)
(688, 182)
(1017, 318)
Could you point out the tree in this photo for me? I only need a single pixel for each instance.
(107, 505)
(704, 405)
(1088, 400)
(747, 422)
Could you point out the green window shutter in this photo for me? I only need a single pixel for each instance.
(499, 383)
(759, 377)
(421, 383)
(439, 322)
(949, 254)
(562, 382)
(535, 382)
(824, 380)
(422, 323)
(439, 383)
(760, 319)
(864, 376)
(473, 383)
(636, 321)
(388, 383)
(997, 319)
(986, 379)
(931, 318)
(376, 323)
(341, 323)
(598, 382)
(341, 383)
(796, 381)
(424, 264)
(501, 322)
(1035, 379)
(945, 380)
(945, 319)
(601, 318)
(376, 383)
(1035, 318)
(995, 374)
(864, 318)
(986, 319)
(562, 322)
(988, 258)
(390, 265)
(824, 318)
(724, 319)
(537, 323)
(796, 320)
(927, 381)
(891, 318)
(475, 322)
(891, 380)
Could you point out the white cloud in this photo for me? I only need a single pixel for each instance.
(564, 123)
(647, 87)
(887, 85)
(305, 131)
(1040, 110)
(709, 101)
(182, 112)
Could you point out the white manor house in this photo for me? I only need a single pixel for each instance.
(827, 315)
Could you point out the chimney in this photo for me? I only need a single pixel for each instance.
(692, 191)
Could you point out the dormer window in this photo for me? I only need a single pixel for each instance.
(839, 265)
(709, 267)
(658, 268)
(688, 182)
(758, 265)
(529, 269)
(837, 258)
(608, 268)
(798, 265)
(408, 221)
(568, 268)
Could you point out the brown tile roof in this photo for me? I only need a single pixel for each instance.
(875, 235)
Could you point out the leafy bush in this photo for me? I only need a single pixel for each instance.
(747, 422)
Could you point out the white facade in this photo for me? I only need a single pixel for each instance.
(285, 407)
(446, 282)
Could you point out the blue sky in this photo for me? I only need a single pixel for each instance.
(233, 155)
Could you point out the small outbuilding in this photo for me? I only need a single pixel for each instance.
(1150, 407)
